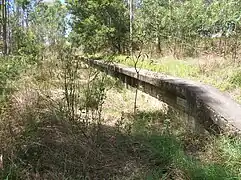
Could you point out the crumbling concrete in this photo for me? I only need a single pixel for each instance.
(211, 109)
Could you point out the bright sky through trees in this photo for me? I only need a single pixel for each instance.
(52, 1)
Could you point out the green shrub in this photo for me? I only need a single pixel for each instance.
(10, 70)
(236, 78)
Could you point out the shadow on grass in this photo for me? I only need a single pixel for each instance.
(47, 146)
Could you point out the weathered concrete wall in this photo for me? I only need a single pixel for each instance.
(213, 110)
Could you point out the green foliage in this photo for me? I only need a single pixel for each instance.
(170, 66)
(40, 139)
(100, 24)
(26, 43)
(230, 151)
(49, 22)
(10, 70)
(32, 26)
(168, 154)
(187, 27)
(151, 142)
(236, 78)
(225, 78)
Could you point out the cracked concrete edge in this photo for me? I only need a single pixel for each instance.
(217, 109)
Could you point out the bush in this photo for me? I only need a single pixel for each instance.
(236, 78)
(10, 69)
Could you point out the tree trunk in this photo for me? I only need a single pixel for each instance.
(158, 45)
(9, 32)
(131, 25)
(4, 26)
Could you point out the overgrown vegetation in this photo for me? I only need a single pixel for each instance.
(203, 35)
(181, 28)
(219, 73)
(62, 119)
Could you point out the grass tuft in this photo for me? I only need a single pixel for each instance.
(39, 141)
(216, 72)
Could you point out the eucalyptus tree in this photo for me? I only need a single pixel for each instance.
(4, 24)
(100, 24)
(189, 27)
(29, 25)
(150, 21)
(48, 22)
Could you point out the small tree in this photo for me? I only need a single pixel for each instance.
(100, 24)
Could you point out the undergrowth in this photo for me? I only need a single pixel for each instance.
(219, 73)
(10, 70)
(69, 121)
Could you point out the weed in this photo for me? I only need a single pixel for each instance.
(88, 130)
(236, 79)
(218, 73)
(10, 70)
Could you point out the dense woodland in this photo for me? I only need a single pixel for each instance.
(29, 26)
(180, 28)
(60, 118)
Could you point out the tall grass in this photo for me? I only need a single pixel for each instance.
(10, 69)
(169, 147)
(54, 126)
(222, 75)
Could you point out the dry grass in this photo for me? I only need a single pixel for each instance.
(119, 103)
(40, 143)
(224, 74)
(38, 140)
(210, 63)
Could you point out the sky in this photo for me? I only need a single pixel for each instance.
(68, 16)
(52, 1)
